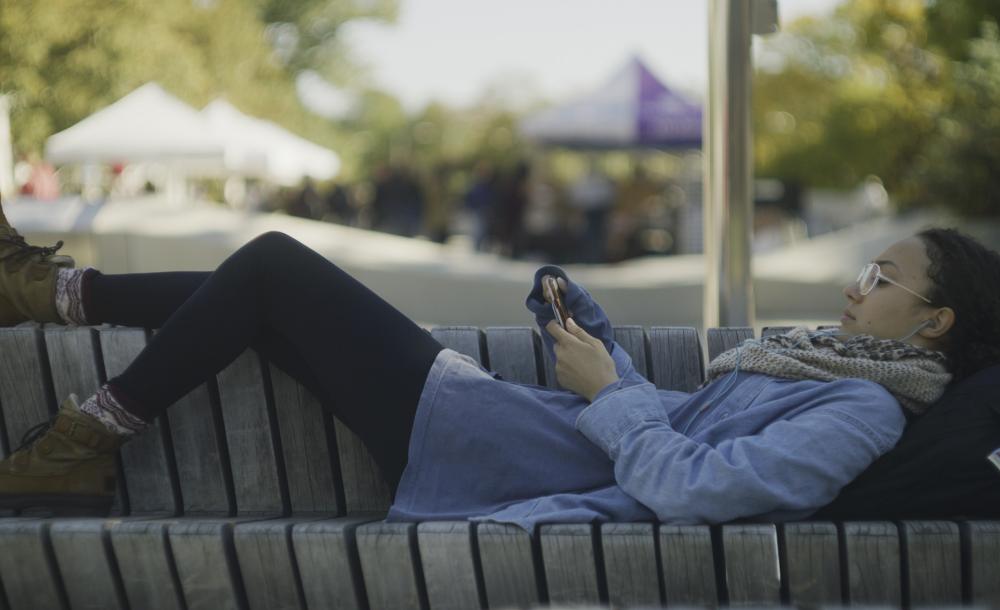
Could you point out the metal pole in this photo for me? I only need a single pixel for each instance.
(6, 151)
(728, 296)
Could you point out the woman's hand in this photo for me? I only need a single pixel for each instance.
(583, 365)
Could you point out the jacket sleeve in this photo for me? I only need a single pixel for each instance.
(791, 465)
(588, 315)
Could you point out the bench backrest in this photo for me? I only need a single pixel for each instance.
(252, 441)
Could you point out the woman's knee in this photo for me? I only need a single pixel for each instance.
(274, 241)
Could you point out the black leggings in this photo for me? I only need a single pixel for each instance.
(360, 356)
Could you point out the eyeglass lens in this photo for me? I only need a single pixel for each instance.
(868, 278)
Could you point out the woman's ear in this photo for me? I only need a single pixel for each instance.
(939, 323)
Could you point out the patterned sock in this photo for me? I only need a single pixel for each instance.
(106, 408)
(69, 296)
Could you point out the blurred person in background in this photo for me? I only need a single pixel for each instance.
(510, 210)
(593, 194)
(480, 203)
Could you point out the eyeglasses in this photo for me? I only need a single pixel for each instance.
(872, 273)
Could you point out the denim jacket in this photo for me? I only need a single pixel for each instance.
(745, 446)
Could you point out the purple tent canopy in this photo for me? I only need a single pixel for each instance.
(632, 110)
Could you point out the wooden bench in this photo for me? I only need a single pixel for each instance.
(247, 494)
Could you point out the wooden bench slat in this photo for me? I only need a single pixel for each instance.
(327, 555)
(25, 389)
(88, 570)
(687, 565)
(634, 341)
(676, 358)
(145, 562)
(515, 353)
(250, 438)
(933, 562)
(982, 541)
(510, 568)
(308, 447)
(468, 340)
(570, 563)
(206, 564)
(812, 558)
(724, 339)
(146, 461)
(873, 569)
(753, 575)
(365, 491)
(449, 565)
(390, 564)
(27, 566)
(629, 551)
(267, 564)
(202, 465)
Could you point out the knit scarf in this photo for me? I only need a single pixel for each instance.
(914, 375)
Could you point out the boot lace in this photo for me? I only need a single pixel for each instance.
(34, 433)
(24, 249)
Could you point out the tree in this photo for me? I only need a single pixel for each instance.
(891, 88)
(61, 60)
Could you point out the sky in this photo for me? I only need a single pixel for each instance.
(454, 51)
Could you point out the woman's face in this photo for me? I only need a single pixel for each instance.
(888, 311)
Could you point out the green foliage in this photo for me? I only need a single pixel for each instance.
(61, 60)
(959, 166)
(874, 90)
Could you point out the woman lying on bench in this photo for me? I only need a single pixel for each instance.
(783, 423)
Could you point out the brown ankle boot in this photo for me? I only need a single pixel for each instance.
(27, 278)
(66, 466)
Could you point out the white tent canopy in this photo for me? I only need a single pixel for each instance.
(259, 148)
(147, 125)
(151, 126)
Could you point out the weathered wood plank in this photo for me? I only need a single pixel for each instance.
(515, 353)
(146, 461)
(27, 566)
(812, 557)
(769, 331)
(250, 438)
(449, 565)
(634, 341)
(25, 389)
(365, 491)
(88, 568)
(873, 563)
(390, 563)
(307, 445)
(933, 563)
(753, 575)
(267, 564)
(206, 563)
(570, 562)
(145, 562)
(688, 565)
(676, 358)
(510, 567)
(202, 464)
(629, 551)
(724, 339)
(982, 543)
(327, 555)
(468, 340)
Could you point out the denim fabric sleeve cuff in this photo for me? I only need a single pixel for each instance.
(616, 409)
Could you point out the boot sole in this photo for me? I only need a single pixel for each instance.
(65, 505)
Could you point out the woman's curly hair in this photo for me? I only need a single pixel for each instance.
(966, 277)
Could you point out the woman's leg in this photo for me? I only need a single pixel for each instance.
(357, 353)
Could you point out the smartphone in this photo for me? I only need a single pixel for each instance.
(558, 307)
